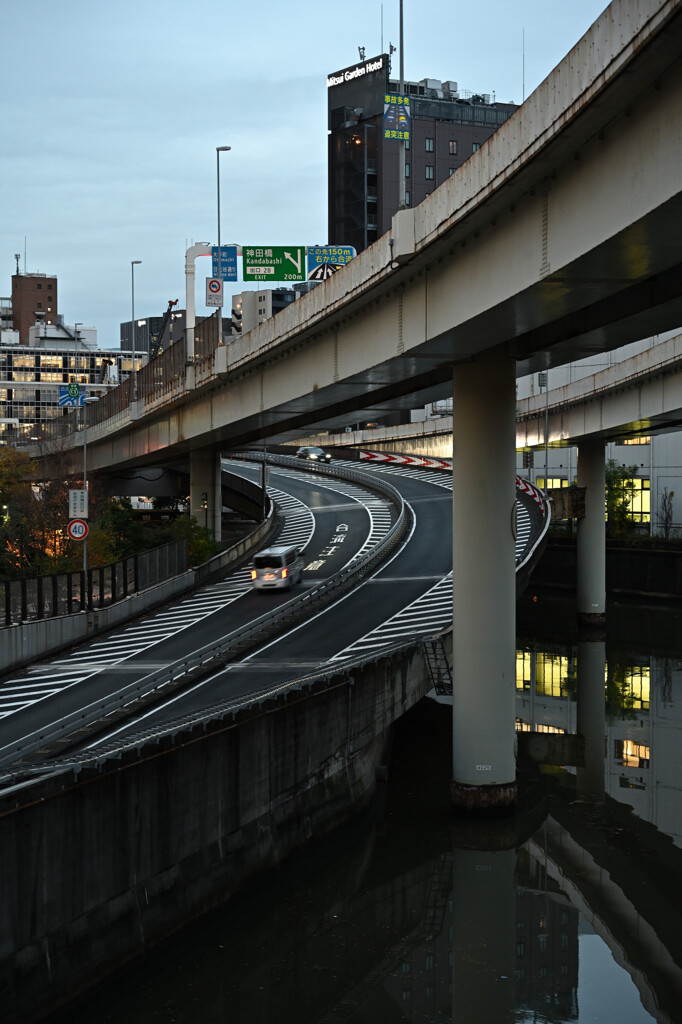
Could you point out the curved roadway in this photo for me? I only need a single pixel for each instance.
(333, 520)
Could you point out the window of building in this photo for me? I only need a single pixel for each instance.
(636, 440)
(407, 198)
(407, 170)
(453, 147)
(407, 143)
(426, 195)
(451, 170)
(428, 145)
(551, 674)
(552, 481)
(49, 287)
(40, 305)
(39, 287)
(476, 145)
(428, 172)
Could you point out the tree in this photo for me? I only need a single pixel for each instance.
(16, 501)
(665, 512)
(620, 490)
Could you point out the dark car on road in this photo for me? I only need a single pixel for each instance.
(314, 454)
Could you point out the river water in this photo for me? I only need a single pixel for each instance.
(570, 911)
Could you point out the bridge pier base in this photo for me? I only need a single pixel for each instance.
(591, 540)
(205, 490)
(484, 585)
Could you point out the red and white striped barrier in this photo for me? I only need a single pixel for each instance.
(406, 460)
(532, 491)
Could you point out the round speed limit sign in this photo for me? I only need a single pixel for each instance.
(77, 529)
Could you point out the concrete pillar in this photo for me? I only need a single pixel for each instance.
(205, 477)
(484, 584)
(591, 544)
(591, 717)
(484, 935)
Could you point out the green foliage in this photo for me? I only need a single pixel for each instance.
(201, 545)
(620, 490)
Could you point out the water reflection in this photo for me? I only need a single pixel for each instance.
(571, 911)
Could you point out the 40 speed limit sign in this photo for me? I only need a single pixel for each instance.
(77, 529)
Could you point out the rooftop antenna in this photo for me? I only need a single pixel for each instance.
(361, 51)
(17, 257)
(523, 66)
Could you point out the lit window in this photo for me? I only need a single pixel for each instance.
(453, 147)
(428, 145)
(636, 440)
(428, 172)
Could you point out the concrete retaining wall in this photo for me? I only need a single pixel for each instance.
(98, 867)
(637, 572)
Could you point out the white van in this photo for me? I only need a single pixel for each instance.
(277, 568)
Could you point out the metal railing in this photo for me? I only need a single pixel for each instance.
(44, 597)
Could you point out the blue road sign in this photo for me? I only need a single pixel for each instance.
(325, 260)
(228, 262)
(71, 394)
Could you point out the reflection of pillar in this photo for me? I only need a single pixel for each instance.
(591, 543)
(205, 490)
(591, 717)
(484, 583)
(484, 936)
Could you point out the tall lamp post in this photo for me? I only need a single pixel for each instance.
(133, 264)
(87, 400)
(218, 151)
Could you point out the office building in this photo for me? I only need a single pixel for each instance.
(448, 124)
(34, 300)
(251, 308)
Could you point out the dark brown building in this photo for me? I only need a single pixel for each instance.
(34, 299)
(447, 126)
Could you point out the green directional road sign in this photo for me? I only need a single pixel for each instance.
(273, 263)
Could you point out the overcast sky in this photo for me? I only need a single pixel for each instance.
(111, 114)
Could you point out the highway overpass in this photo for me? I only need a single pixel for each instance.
(559, 238)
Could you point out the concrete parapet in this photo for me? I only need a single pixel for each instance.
(97, 867)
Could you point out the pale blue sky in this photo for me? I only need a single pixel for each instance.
(111, 114)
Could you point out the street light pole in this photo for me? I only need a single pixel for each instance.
(87, 400)
(401, 152)
(218, 151)
(133, 264)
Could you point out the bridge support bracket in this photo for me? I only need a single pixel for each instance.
(484, 801)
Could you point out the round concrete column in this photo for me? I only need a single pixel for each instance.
(205, 479)
(484, 584)
(484, 935)
(591, 545)
(591, 717)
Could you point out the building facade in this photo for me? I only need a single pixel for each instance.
(447, 126)
(34, 300)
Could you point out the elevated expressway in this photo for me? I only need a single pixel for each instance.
(636, 397)
(557, 239)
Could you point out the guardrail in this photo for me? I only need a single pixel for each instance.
(236, 643)
(44, 597)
